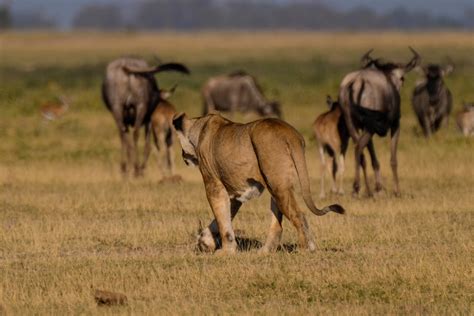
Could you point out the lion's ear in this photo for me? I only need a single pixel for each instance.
(178, 121)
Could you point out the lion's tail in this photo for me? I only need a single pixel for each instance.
(297, 154)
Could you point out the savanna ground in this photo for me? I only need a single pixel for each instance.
(69, 223)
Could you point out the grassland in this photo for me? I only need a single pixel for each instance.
(68, 223)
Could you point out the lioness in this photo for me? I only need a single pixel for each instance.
(237, 162)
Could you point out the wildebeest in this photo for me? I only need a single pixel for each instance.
(432, 100)
(370, 101)
(131, 93)
(332, 137)
(465, 119)
(237, 92)
(162, 130)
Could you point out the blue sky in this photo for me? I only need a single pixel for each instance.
(64, 10)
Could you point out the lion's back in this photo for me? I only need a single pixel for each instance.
(272, 132)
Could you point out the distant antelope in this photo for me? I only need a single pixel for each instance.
(465, 119)
(53, 110)
(332, 137)
(432, 100)
(162, 130)
(131, 93)
(370, 102)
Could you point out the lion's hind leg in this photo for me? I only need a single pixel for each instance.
(287, 204)
(274, 235)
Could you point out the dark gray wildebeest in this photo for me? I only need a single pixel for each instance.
(432, 100)
(237, 92)
(370, 102)
(465, 119)
(131, 93)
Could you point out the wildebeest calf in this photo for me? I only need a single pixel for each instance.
(162, 130)
(332, 137)
(237, 92)
(432, 100)
(465, 119)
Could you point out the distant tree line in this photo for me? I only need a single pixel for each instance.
(246, 14)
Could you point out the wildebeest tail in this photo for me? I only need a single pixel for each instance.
(297, 154)
(345, 101)
(173, 67)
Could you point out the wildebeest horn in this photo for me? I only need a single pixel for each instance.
(166, 94)
(449, 68)
(366, 57)
(329, 100)
(173, 88)
(414, 61)
(157, 59)
(154, 69)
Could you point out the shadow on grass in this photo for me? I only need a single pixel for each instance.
(247, 244)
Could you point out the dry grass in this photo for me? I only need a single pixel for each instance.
(68, 222)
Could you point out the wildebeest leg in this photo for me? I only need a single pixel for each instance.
(169, 152)
(159, 139)
(147, 149)
(360, 162)
(274, 235)
(287, 204)
(323, 170)
(334, 166)
(445, 121)
(164, 143)
(375, 166)
(395, 135)
(125, 144)
(426, 126)
(141, 111)
(340, 174)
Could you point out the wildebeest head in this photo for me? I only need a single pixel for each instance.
(271, 108)
(435, 72)
(468, 106)
(166, 94)
(395, 71)
(331, 103)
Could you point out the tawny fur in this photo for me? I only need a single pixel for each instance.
(237, 162)
(465, 119)
(162, 128)
(332, 137)
(54, 110)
